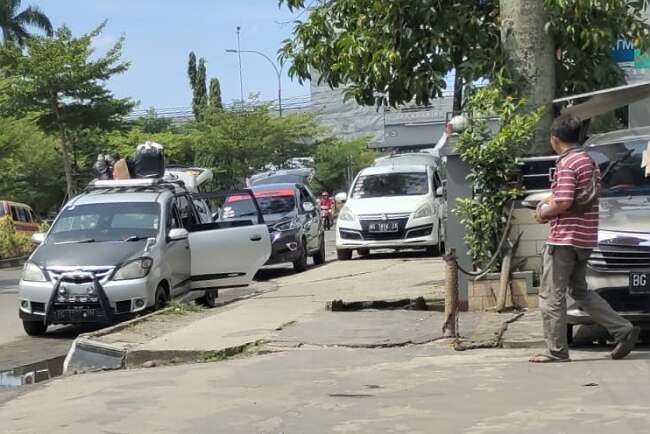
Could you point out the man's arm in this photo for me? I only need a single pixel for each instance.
(562, 197)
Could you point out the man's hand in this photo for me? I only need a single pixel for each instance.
(538, 218)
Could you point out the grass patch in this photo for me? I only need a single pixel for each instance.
(179, 308)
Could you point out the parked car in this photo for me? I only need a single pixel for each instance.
(619, 268)
(22, 216)
(392, 206)
(293, 217)
(124, 246)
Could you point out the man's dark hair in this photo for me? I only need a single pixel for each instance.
(567, 128)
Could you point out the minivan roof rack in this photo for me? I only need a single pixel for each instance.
(138, 184)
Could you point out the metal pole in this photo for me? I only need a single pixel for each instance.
(241, 78)
(278, 71)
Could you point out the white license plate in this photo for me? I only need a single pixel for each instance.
(639, 283)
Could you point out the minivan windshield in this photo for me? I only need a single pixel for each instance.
(620, 166)
(99, 222)
(391, 184)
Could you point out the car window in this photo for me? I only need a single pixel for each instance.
(14, 213)
(391, 184)
(186, 211)
(280, 201)
(173, 218)
(621, 168)
(107, 222)
(2, 210)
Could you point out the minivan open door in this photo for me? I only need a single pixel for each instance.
(228, 254)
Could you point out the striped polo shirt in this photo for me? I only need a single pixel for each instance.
(573, 171)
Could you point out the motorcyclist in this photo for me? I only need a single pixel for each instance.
(327, 208)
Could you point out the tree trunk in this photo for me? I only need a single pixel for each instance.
(458, 95)
(71, 189)
(531, 60)
(450, 326)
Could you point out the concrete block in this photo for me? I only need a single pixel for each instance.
(534, 232)
(527, 248)
(523, 216)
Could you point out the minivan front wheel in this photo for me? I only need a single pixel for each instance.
(34, 328)
(210, 298)
(300, 264)
(162, 299)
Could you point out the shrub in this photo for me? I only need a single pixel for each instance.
(13, 243)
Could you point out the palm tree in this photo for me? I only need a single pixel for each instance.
(13, 22)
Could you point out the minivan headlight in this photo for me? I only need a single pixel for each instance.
(134, 270)
(346, 215)
(33, 273)
(423, 211)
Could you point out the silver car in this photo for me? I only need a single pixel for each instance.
(126, 246)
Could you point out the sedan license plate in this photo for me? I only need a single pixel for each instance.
(383, 227)
(639, 283)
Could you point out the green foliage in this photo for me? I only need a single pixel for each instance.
(236, 143)
(14, 22)
(151, 123)
(62, 81)
(177, 143)
(494, 160)
(401, 50)
(339, 160)
(215, 94)
(13, 244)
(197, 76)
(29, 165)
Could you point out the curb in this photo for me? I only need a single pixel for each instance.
(13, 262)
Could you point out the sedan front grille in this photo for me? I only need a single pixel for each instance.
(101, 273)
(615, 260)
(384, 217)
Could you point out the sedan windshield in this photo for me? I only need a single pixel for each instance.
(100, 222)
(270, 202)
(620, 166)
(391, 184)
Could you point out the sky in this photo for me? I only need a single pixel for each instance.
(161, 33)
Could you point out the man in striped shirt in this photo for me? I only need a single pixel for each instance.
(573, 235)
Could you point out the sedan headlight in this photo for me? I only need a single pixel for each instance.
(346, 215)
(33, 273)
(424, 211)
(134, 270)
(286, 225)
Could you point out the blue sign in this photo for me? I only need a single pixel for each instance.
(624, 51)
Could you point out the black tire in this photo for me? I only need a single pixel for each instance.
(162, 298)
(569, 334)
(34, 328)
(210, 298)
(343, 254)
(300, 264)
(363, 252)
(319, 257)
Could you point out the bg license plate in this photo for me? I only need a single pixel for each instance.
(639, 283)
(75, 315)
(384, 227)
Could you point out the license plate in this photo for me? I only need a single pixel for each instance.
(75, 315)
(639, 283)
(383, 227)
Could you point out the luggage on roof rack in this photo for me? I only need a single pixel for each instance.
(149, 160)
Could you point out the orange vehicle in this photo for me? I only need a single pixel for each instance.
(22, 215)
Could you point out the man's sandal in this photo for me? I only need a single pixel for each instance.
(545, 358)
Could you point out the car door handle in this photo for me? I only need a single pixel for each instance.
(256, 237)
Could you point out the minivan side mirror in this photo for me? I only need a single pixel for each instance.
(531, 201)
(178, 234)
(341, 197)
(440, 192)
(38, 237)
(308, 207)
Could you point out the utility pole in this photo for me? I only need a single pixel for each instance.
(531, 58)
(278, 71)
(241, 77)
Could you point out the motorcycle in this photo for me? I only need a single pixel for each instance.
(326, 217)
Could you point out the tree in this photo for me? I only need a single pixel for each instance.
(530, 53)
(14, 22)
(215, 94)
(401, 50)
(63, 82)
(392, 50)
(151, 123)
(339, 160)
(197, 76)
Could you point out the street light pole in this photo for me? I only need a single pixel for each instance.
(241, 79)
(278, 71)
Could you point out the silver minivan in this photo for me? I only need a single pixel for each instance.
(125, 246)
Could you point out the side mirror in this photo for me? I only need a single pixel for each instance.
(38, 237)
(308, 207)
(341, 197)
(178, 234)
(440, 192)
(533, 200)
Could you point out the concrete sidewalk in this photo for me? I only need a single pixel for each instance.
(285, 300)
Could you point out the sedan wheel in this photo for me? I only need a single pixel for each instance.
(210, 298)
(319, 257)
(300, 264)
